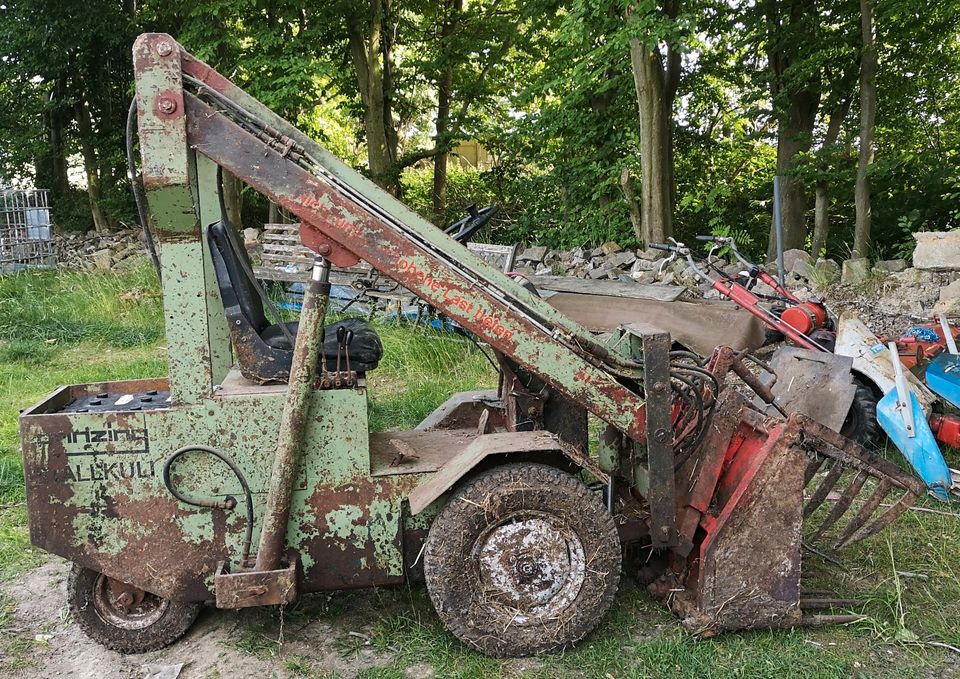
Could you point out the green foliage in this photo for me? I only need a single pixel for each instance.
(545, 86)
(71, 211)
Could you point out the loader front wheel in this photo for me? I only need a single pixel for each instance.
(861, 423)
(124, 618)
(523, 559)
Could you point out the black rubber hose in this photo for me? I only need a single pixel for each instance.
(138, 193)
(228, 503)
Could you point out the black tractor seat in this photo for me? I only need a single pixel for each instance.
(264, 353)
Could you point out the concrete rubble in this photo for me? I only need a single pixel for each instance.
(937, 250)
(104, 251)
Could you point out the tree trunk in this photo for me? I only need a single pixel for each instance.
(794, 137)
(630, 194)
(51, 164)
(366, 51)
(233, 200)
(444, 96)
(821, 211)
(868, 114)
(796, 121)
(655, 207)
(655, 79)
(87, 150)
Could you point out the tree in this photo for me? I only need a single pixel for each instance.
(68, 64)
(868, 114)
(821, 212)
(452, 9)
(795, 88)
(656, 75)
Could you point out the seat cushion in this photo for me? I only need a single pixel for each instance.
(365, 349)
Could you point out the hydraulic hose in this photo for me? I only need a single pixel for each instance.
(137, 191)
(228, 503)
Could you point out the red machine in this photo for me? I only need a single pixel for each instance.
(807, 324)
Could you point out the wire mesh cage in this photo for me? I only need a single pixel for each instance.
(26, 230)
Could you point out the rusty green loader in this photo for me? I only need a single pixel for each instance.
(249, 476)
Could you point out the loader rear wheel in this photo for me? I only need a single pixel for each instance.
(861, 423)
(124, 618)
(523, 559)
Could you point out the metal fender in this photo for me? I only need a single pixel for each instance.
(872, 361)
(493, 444)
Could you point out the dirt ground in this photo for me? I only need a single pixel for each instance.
(220, 644)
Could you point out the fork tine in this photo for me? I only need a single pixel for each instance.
(843, 504)
(869, 507)
(884, 519)
(820, 494)
(812, 468)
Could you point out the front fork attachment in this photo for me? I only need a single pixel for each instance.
(743, 502)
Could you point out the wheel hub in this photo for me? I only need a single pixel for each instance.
(533, 564)
(126, 606)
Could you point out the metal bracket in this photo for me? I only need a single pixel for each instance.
(256, 588)
(660, 460)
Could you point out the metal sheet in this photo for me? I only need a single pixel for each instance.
(872, 360)
(663, 293)
(816, 384)
(699, 326)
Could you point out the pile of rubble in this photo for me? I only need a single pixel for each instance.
(93, 250)
(888, 295)
(607, 262)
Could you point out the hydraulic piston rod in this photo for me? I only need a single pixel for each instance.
(294, 418)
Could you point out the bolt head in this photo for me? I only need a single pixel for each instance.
(167, 105)
(164, 49)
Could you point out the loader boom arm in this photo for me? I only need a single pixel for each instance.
(184, 104)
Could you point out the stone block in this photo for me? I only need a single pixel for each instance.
(535, 254)
(791, 257)
(891, 265)
(621, 259)
(855, 271)
(828, 270)
(951, 291)
(937, 250)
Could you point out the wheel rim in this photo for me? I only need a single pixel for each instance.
(126, 606)
(532, 564)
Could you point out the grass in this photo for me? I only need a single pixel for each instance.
(72, 327)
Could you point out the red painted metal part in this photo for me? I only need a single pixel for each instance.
(773, 283)
(915, 352)
(746, 299)
(805, 317)
(946, 428)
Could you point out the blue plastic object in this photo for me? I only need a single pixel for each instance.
(921, 450)
(922, 334)
(943, 377)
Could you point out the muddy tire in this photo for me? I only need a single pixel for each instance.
(861, 423)
(124, 618)
(523, 559)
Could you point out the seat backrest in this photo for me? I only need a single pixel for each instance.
(235, 288)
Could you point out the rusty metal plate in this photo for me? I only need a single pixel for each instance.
(700, 326)
(256, 588)
(816, 384)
